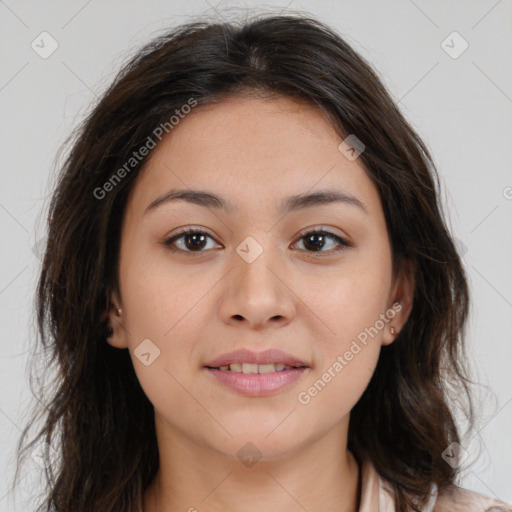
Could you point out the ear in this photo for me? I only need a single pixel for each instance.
(400, 302)
(116, 321)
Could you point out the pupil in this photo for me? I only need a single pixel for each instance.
(315, 245)
(198, 238)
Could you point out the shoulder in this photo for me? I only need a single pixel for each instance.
(457, 499)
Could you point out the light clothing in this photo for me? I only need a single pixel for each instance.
(376, 496)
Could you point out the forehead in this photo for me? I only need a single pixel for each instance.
(251, 149)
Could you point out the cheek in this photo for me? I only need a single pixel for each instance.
(163, 306)
(346, 304)
(347, 353)
(160, 296)
(338, 386)
(348, 311)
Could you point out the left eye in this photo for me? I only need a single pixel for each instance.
(317, 237)
(195, 241)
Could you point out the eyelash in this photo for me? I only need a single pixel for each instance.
(343, 244)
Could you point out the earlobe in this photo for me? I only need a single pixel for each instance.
(393, 328)
(115, 335)
(402, 300)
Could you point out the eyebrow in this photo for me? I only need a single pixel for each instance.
(292, 203)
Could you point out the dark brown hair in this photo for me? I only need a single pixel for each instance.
(96, 416)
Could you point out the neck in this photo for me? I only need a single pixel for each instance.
(323, 475)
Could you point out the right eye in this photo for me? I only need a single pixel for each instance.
(190, 239)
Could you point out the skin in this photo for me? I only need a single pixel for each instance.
(196, 306)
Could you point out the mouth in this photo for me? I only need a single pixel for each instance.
(256, 374)
(253, 368)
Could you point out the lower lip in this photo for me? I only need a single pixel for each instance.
(257, 384)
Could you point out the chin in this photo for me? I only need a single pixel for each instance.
(257, 444)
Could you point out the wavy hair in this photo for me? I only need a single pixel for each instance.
(97, 417)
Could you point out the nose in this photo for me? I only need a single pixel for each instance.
(257, 294)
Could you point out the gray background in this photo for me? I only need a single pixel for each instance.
(461, 107)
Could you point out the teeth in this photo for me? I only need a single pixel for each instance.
(249, 368)
(255, 368)
(266, 368)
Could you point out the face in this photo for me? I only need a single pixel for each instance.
(255, 277)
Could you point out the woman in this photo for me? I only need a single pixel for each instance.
(248, 213)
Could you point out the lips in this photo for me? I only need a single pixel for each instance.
(272, 356)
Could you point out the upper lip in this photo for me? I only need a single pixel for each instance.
(246, 356)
